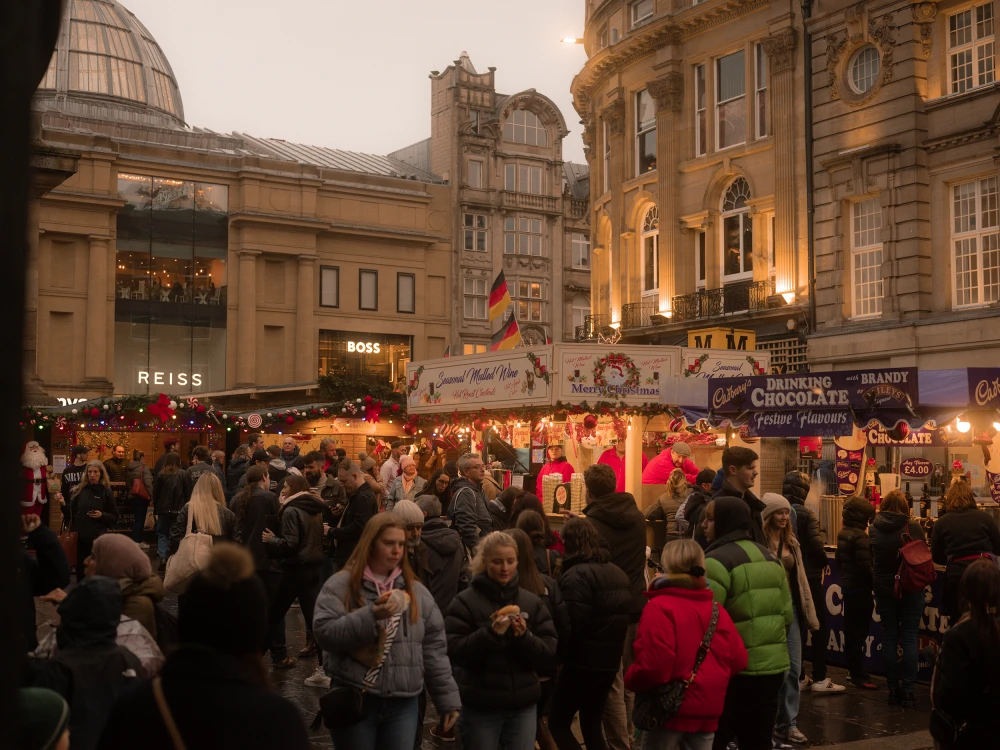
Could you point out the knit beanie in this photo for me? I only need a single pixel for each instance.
(43, 716)
(409, 511)
(405, 461)
(225, 606)
(119, 557)
(772, 503)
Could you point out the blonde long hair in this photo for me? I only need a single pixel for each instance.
(486, 545)
(677, 485)
(355, 567)
(205, 502)
(776, 536)
(105, 482)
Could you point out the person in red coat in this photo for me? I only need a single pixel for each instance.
(677, 456)
(670, 632)
(557, 465)
(35, 492)
(615, 458)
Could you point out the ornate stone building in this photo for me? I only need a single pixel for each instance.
(516, 206)
(907, 230)
(694, 128)
(171, 258)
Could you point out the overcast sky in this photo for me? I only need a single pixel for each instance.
(352, 74)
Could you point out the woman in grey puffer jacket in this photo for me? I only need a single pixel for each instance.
(357, 611)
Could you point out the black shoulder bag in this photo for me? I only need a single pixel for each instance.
(654, 708)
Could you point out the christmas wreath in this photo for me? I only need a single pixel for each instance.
(623, 364)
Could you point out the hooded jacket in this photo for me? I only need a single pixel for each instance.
(277, 470)
(622, 525)
(236, 470)
(499, 672)
(139, 470)
(468, 512)
(853, 552)
(751, 584)
(139, 600)
(666, 646)
(300, 541)
(754, 505)
(593, 613)
(171, 491)
(89, 669)
(965, 689)
(419, 654)
(795, 489)
(439, 561)
(886, 539)
(204, 467)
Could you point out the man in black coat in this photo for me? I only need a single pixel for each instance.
(739, 466)
(360, 507)
(623, 527)
(439, 559)
(795, 487)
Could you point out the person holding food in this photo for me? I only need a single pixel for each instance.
(499, 636)
(374, 616)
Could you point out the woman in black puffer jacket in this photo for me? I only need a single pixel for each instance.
(495, 656)
(855, 560)
(594, 614)
(92, 511)
(900, 617)
(962, 536)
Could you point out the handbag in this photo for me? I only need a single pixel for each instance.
(150, 523)
(139, 489)
(191, 557)
(653, 708)
(68, 539)
(916, 567)
(344, 705)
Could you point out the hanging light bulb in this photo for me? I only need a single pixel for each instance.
(962, 425)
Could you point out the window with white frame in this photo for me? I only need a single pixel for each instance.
(329, 286)
(475, 232)
(368, 290)
(581, 250)
(760, 98)
(476, 299)
(640, 11)
(700, 259)
(607, 158)
(971, 48)
(522, 235)
(475, 173)
(866, 257)
(737, 232)
(528, 300)
(581, 309)
(731, 100)
(650, 240)
(976, 242)
(524, 127)
(700, 117)
(522, 178)
(645, 133)
(406, 293)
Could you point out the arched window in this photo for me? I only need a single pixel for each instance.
(524, 127)
(651, 251)
(737, 232)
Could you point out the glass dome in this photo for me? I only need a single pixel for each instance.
(108, 65)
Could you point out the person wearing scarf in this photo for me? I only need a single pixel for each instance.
(407, 485)
(670, 632)
(117, 556)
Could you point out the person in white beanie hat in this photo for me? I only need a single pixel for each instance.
(413, 517)
(777, 515)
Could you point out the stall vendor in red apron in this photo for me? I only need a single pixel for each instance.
(557, 464)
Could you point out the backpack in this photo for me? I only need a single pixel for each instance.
(916, 567)
(682, 523)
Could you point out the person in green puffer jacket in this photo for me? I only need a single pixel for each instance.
(751, 584)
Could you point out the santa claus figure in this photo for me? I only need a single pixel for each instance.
(35, 494)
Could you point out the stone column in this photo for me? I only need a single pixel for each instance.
(96, 363)
(633, 459)
(32, 383)
(246, 323)
(780, 49)
(305, 336)
(668, 93)
(613, 116)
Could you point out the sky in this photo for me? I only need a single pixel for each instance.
(353, 74)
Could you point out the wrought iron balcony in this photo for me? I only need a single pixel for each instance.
(740, 297)
(638, 314)
(593, 325)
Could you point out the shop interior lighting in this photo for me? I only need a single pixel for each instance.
(996, 426)
(962, 425)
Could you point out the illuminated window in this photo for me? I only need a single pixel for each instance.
(971, 48)
(866, 257)
(651, 251)
(737, 232)
(976, 242)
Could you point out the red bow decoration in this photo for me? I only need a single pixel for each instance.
(162, 408)
(373, 412)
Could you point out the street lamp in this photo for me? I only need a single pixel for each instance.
(571, 40)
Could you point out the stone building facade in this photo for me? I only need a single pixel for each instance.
(694, 129)
(907, 229)
(516, 206)
(171, 258)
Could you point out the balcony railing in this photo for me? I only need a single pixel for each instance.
(740, 297)
(578, 208)
(638, 314)
(593, 325)
(530, 202)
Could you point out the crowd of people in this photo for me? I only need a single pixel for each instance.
(455, 590)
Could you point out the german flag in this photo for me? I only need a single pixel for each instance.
(499, 297)
(508, 337)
